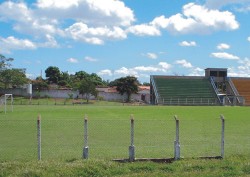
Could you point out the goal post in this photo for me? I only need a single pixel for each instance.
(3, 101)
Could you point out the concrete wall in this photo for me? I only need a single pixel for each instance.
(109, 96)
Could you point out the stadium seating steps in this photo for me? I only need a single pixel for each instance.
(242, 86)
(185, 90)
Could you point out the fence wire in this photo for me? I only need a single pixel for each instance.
(200, 138)
(62, 139)
(237, 137)
(18, 140)
(110, 139)
(154, 138)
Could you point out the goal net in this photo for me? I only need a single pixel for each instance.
(4, 101)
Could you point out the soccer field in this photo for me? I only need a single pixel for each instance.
(109, 131)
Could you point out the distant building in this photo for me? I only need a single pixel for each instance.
(111, 94)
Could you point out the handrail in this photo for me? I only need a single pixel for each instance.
(215, 88)
(155, 90)
(235, 91)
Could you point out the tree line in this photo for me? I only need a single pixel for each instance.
(82, 81)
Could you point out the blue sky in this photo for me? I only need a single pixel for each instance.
(116, 38)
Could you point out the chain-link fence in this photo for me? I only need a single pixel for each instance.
(65, 139)
(62, 101)
(18, 140)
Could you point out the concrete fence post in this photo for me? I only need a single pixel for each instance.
(85, 148)
(39, 150)
(132, 147)
(177, 140)
(222, 135)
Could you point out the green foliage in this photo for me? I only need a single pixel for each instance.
(87, 87)
(53, 74)
(146, 84)
(80, 75)
(4, 62)
(127, 85)
(39, 84)
(12, 78)
(37, 94)
(70, 95)
(94, 78)
(63, 79)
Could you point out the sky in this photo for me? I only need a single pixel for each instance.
(117, 38)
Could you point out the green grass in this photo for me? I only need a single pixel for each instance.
(60, 101)
(109, 132)
(233, 166)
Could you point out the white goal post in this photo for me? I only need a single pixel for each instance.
(3, 101)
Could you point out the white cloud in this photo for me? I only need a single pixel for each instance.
(50, 42)
(223, 46)
(165, 65)
(57, 4)
(224, 55)
(197, 72)
(151, 55)
(243, 70)
(92, 21)
(72, 60)
(197, 19)
(184, 63)
(187, 44)
(138, 71)
(94, 12)
(81, 32)
(126, 72)
(28, 21)
(90, 59)
(244, 8)
(144, 30)
(105, 72)
(96, 21)
(147, 69)
(160, 22)
(248, 38)
(218, 4)
(12, 43)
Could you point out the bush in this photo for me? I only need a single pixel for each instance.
(70, 95)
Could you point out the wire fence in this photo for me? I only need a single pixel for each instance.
(65, 139)
(62, 101)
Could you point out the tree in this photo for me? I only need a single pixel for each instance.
(53, 74)
(39, 84)
(80, 75)
(113, 83)
(12, 78)
(87, 88)
(96, 79)
(127, 85)
(146, 84)
(64, 79)
(4, 62)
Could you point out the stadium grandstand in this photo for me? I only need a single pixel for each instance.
(215, 88)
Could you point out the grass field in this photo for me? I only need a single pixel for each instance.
(62, 140)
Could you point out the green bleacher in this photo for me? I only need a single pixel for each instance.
(184, 91)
